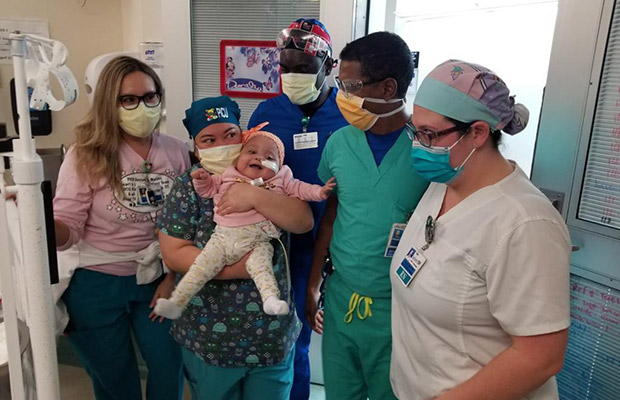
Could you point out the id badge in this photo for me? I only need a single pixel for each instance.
(410, 266)
(305, 140)
(395, 234)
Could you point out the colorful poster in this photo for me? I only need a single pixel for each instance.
(249, 68)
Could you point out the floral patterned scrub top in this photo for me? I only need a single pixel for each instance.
(224, 324)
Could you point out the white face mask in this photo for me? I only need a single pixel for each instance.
(301, 88)
(140, 121)
(217, 159)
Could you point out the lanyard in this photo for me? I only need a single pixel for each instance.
(305, 121)
(429, 232)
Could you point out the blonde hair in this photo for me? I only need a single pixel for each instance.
(98, 135)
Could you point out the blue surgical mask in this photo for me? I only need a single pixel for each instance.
(433, 163)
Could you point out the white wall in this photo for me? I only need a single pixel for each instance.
(141, 22)
(175, 30)
(381, 15)
(337, 16)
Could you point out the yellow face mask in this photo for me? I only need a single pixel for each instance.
(217, 159)
(301, 88)
(351, 108)
(140, 121)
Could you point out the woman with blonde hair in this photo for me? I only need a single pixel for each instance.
(111, 188)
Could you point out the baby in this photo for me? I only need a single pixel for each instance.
(259, 164)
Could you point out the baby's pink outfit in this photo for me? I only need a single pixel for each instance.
(234, 236)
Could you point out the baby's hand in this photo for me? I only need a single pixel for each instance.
(200, 174)
(201, 180)
(327, 189)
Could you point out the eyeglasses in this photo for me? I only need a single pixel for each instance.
(131, 102)
(425, 136)
(353, 86)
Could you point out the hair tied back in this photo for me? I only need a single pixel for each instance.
(519, 119)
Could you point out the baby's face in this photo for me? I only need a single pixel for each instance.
(255, 150)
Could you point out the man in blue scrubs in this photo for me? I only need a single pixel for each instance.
(303, 118)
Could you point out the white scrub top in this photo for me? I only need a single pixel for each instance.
(498, 266)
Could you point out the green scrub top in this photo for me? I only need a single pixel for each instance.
(371, 199)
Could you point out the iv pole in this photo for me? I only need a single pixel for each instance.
(27, 169)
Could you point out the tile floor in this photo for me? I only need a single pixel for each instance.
(75, 385)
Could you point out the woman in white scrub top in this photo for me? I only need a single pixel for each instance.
(480, 279)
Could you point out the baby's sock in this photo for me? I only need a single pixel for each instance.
(167, 308)
(275, 306)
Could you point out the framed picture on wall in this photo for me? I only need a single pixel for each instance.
(249, 68)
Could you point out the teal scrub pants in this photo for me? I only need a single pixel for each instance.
(104, 310)
(238, 383)
(357, 354)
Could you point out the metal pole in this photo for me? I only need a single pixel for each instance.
(8, 299)
(27, 169)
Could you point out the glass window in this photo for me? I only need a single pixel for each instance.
(511, 37)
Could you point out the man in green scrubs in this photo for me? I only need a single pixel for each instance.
(376, 191)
